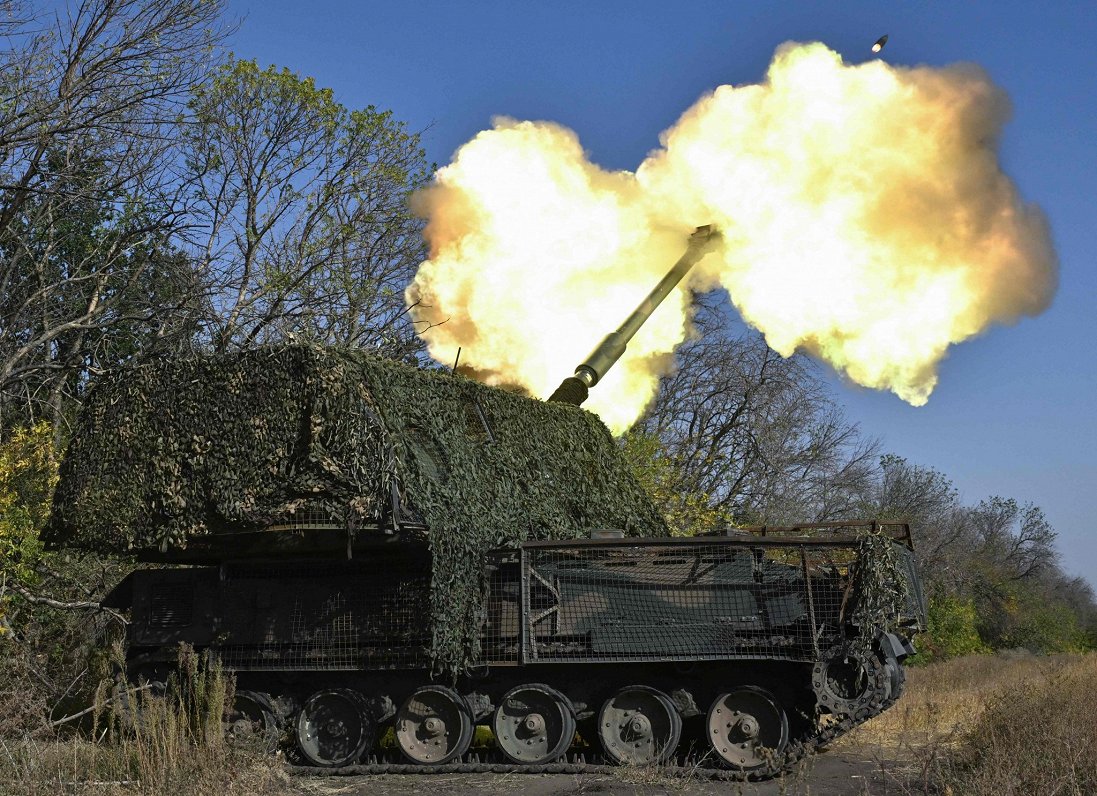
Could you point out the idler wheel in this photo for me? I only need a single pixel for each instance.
(250, 720)
(896, 678)
(534, 724)
(846, 681)
(434, 725)
(334, 728)
(638, 726)
(748, 728)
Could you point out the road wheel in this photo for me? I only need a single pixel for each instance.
(534, 724)
(434, 725)
(748, 728)
(250, 721)
(334, 728)
(639, 725)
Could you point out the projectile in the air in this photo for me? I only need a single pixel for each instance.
(880, 42)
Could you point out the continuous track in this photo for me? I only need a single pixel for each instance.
(473, 763)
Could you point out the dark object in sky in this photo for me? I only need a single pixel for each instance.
(880, 42)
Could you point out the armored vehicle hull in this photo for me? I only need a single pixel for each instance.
(724, 649)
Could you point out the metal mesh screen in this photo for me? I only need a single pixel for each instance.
(307, 517)
(916, 608)
(642, 602)
(322, 617)
(578, 601)
(501, 632)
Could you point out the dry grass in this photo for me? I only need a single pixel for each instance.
(943, 700)
(1001, 725)
(994, 724)
(80, 766)
(169, 745)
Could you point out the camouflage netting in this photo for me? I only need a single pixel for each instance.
(881, 586)
(170, 451)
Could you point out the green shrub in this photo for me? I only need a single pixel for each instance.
(951, 630)
(28, 473)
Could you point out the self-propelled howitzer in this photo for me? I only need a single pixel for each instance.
(372, 546)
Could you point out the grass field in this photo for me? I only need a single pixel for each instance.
(1001, 725)
(1004, 724)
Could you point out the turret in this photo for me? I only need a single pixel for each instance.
(574, 389)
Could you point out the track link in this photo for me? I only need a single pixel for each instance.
(797, 750)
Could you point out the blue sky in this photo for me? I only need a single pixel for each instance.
(1014, 412)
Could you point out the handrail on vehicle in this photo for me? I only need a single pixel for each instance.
(823, 534)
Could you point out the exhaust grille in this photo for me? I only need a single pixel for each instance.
(171, 605)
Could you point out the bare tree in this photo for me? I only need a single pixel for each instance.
(306, 231)
(754, 433)
(1018, 538)
(926, 498)
(87, 188)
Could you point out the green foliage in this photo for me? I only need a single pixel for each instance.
(1023, 615)
(165, 452)
(42, 650)
(687, 512)
(951, 630)
(243, 85)
(28, 473)
(78, 243)
(306, 205)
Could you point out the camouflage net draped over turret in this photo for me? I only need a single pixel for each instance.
(169, 451)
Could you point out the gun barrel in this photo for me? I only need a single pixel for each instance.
(574, 389)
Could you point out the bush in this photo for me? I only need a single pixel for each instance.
(28, 474)
(53, 641)
(1041, 625)
(951, 630)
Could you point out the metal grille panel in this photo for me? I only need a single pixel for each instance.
(916, 608)
(306, 517)
(598, 601)
(325, 617)
(171, 605)
(501, 631)
(643, 602)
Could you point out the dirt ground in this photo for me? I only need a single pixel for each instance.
(845, 773)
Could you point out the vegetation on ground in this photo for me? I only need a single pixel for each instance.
(985, 725)
(142, 743)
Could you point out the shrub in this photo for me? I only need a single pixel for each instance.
(951, 630)
(28, 473)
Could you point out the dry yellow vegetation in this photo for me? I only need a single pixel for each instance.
(982, 725)
(1005, 724)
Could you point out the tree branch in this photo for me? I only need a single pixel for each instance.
(76, 606)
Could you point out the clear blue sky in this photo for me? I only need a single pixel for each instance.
(1014, 413)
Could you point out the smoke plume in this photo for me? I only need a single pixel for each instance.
(864, 214)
